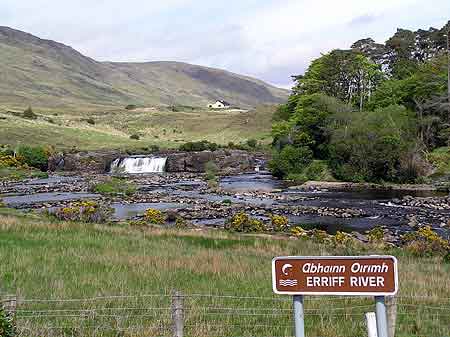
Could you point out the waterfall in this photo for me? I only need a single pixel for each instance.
(139, 165)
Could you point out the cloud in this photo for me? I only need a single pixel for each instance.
(270, 39)
(363, 20)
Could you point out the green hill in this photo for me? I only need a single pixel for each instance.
(46, 73)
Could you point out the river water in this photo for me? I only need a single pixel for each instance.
(321, 209)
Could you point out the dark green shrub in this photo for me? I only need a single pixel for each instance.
(34, 156)
(115, 186)
(130, 107)
(203, 145)
(154, 148)
(252, 143)
(291, 160)
(135, 136)
(316, 170)
(29, 114)
(211, 170)
(7, 325)
(446, 257)
(377, 146)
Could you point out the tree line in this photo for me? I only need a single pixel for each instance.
(369, 113)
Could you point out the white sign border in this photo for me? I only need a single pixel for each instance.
(336, 258)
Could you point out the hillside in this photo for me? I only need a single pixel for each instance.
(46, 73)
(113, 127)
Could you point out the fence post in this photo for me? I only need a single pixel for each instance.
(177, 314)
(371, 322)
(391, 303)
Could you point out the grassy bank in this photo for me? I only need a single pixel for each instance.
(53, 260)
(112, 127)
(12, 173)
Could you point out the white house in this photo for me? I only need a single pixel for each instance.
(220, 105)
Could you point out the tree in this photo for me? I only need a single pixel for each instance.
(428, 80)
(406, 49)
(400, 57)
(309, 124)
(347, 75)
(425, 92)
(376, 52)
(375, 146)
(28, 113)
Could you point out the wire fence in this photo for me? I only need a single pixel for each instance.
(204, 315)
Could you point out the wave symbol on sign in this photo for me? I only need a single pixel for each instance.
(288, 283)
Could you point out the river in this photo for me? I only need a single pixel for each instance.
(257, 193)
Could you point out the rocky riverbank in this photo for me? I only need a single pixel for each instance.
(97, 162)
(188, 196)
(350, 186)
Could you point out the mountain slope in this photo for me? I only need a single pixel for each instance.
(45, 73)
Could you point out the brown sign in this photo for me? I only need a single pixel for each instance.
(335, 275)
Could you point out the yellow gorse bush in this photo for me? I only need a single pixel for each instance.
(376, 235)
(11, 161)
(320, 236)
(430, 235)
(242, 222)
(279, 222)
(85, 211)
(425, 241)
(154, 216)
(341, 238)
(298, 231)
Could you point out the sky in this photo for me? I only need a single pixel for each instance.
(267, 39)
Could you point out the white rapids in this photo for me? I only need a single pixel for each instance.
(139, 165)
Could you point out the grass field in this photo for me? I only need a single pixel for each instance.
(47, 259)
(113, 127)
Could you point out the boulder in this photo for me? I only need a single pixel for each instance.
(228, 161)
(188, 161)
(92, 162)
(56, 162)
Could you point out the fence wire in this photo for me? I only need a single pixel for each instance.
(205, 315)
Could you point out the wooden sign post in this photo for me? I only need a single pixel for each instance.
(339, 276)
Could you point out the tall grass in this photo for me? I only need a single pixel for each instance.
(49, 259)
